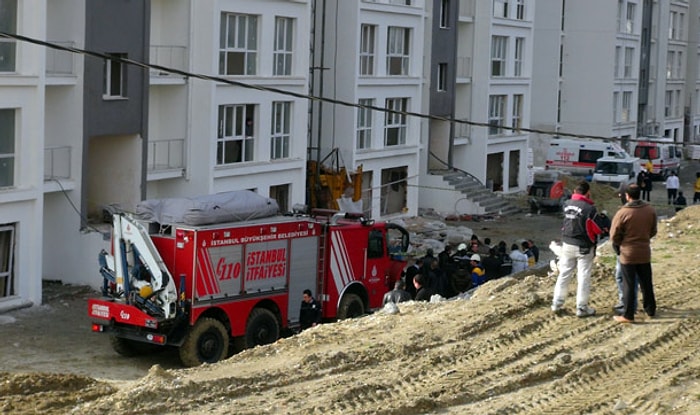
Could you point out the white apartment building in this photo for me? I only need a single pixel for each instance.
(208, 137)
(370, 52)
(620, 69)
(491, 77)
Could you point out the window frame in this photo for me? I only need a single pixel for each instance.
(363, 126)
(398, 51)
(8, 47)
(517, 111)
(395, 121)
(280, 129)
(283, 49)
(497, 114)
(444, 14)
(240, 114)
(246, 47)
(518, 56)
(441, 81)
(8, 148)
(499, 49)
(368, 47)
(114, 83)
(629, 62)
(500, 8)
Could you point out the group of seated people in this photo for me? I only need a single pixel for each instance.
(453, 273)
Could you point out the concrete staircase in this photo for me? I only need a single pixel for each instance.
(474, 190)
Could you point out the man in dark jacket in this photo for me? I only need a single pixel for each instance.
(632, 228)
(309, 312)
(579, 234)
(423, 292)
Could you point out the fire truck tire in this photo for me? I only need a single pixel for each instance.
(351, 306)
(206, 342)
(262, 328)
(130, 348)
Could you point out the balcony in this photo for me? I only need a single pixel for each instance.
(466, 10)
(166, 158)
(60, 65)
(168, 56)
(464, 69)
(57, 172)
(57, 162)
(413, 3)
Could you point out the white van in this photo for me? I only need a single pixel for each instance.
(579, 156)
(613, 171)
(664, 156)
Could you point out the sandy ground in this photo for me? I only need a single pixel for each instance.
(500, 352)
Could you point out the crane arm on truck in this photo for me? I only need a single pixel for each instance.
(137, 270)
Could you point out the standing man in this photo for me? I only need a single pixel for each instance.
(579, 233)
(632, 229)
(696, 188)
(309, 312)
(672, 185)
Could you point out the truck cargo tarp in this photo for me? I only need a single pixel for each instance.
(232, 206)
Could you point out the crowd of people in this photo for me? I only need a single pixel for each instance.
(459, 269)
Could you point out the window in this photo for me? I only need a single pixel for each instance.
(668, 103)
(444, 14)
(679, 64)
(367, 39)
(364, 124)
(589, 156)
(497, 114)
(8, 23)
(280, 130)
(626, 106)
(518, 59)
(281, 194)
(7, 147)
(395, 124)
(375, 244)
(615, 105)
(520, 9)
(397, 51)
(618, 59)
(516, 121)
(114, 85)
(498, 55)
(238, 44)
(442, 77)
(7, 247)
(620, 11)
(284, 38)
(677, 104)
(500, 8)
(236, 134)
(629, 59)
(670, 59)
(629, 22)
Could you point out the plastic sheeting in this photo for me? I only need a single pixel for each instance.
(235, 206)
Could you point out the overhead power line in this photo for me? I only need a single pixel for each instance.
(228, 81)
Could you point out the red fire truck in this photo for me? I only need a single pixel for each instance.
(204, 288)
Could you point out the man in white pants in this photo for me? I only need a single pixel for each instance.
(579, 234)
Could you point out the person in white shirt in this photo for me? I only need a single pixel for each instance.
(519, 259)
(672, 186)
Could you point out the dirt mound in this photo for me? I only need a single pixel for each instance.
(500, 352)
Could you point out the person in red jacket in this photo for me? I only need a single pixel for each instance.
(632, 228)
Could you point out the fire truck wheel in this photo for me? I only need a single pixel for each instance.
(262, 328)
(351, 306)
(206, 342)
(130, 348)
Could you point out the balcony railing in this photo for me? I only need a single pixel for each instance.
(464, 67)
(396, 2)
(57, 162)
(60, 62)
(466, 8)
(166, 155)
(168, 56)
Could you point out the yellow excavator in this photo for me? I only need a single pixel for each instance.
(328, 182)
